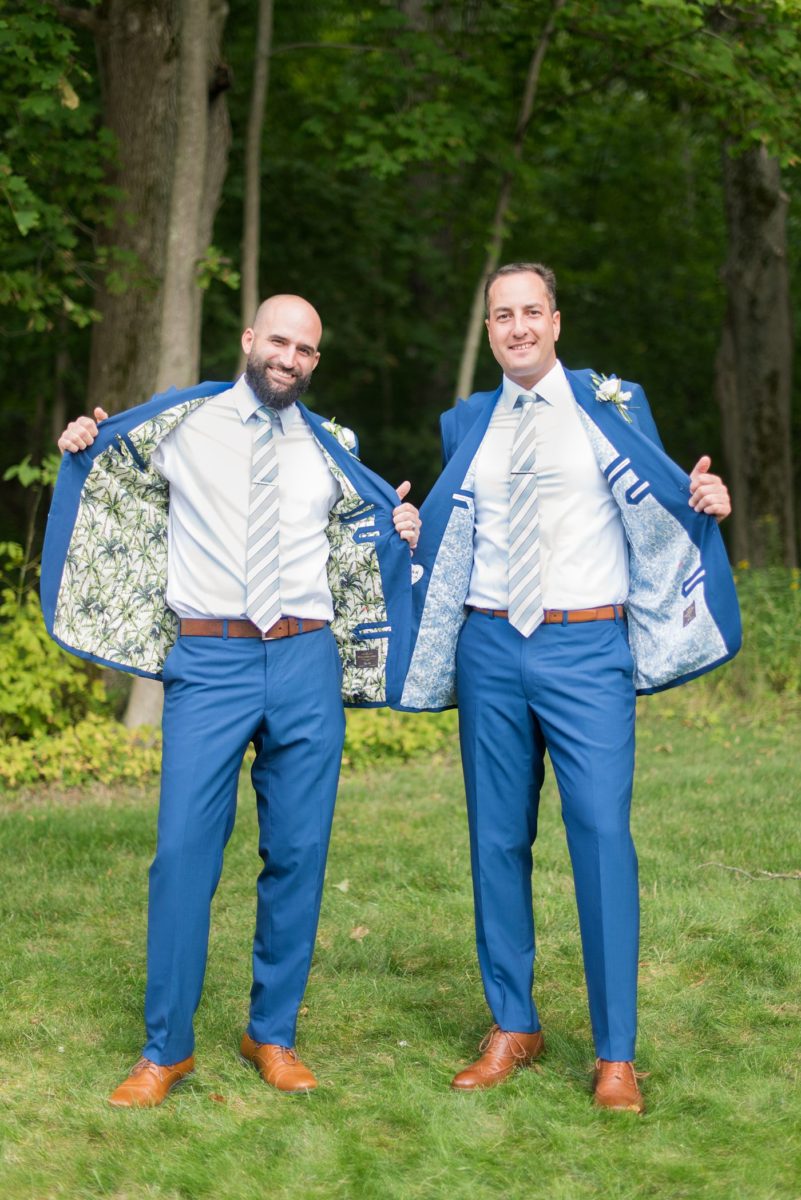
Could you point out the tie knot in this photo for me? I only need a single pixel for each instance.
(525, 398)
(265, 413)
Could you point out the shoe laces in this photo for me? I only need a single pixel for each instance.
(617, 1071)
(488, 1043)
(143, 1065)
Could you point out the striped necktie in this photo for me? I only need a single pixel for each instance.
(262, 577)
(525, 592)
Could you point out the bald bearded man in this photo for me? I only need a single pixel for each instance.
(228, 541)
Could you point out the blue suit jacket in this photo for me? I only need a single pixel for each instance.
(682, 608)
(104, 567)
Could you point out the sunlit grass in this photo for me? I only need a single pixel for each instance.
(392, 1013)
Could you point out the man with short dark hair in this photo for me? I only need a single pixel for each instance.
(228, 540)
(565, 563)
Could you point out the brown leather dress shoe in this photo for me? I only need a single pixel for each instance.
(278, 1066)
(501, 1053)
(616, 1087)
(149, 1084)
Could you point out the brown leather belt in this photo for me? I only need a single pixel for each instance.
(570, 616)
(286, 627)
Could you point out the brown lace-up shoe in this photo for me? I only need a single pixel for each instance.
(278, 1066)
(616, 1087)
(149, 1084)
(501, 1053)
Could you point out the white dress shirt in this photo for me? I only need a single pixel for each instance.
(206, 461)
(583, 552)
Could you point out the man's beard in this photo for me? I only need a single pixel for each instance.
(266, 392)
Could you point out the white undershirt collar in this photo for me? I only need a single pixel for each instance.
(553, 388)
(247, 403)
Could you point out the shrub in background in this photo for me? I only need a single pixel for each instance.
(377, 734)
(93, 750)
(43, 689)
(55, 723)
(766, 674)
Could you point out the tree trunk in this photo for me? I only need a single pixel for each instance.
(467, 366)
(163, 98)
(754, 362)
(136, 43)
(251, 217)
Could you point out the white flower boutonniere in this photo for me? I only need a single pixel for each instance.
(607, 391)
(345, 437)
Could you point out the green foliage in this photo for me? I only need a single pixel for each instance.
(93, 750)
(380, 192)
(216, 265)
(377, 736)
(32, 474)
(97, 749)
(770, 661)
(52, 164)
(44, 690)
(54, 723)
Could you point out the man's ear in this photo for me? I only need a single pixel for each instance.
(557, 325)
(247, 340)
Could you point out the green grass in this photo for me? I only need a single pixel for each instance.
(390, 1018)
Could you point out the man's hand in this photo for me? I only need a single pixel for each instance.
(708, 493)
(81, 433)
(406, 517)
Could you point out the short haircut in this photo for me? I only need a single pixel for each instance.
(522, 268)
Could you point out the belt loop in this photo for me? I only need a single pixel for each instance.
(225, 629)
(565, 615)
(615, 613)
(300, 624)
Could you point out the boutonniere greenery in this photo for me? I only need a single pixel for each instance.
(608, 391)
(344, 436)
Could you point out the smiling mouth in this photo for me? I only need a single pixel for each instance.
(522, 346)
(283, 376)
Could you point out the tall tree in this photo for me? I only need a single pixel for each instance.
(467, 365)
(162, 87)
(251, 209)
(163, 97)
(753, 383)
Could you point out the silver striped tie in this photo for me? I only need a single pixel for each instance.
(262, 577)
(525, 592)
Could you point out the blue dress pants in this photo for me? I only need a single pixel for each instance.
(219, 695)
(566, 689)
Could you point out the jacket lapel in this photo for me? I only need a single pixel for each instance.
(365, 481)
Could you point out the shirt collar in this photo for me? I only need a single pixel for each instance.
(247, 403)
(553, 388)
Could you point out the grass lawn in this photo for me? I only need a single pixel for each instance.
(395, 1006)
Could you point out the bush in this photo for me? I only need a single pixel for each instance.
(376, 735)
(55, 724)
(100, 750)
(94, 750)
(767, 671)
(44, 689)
